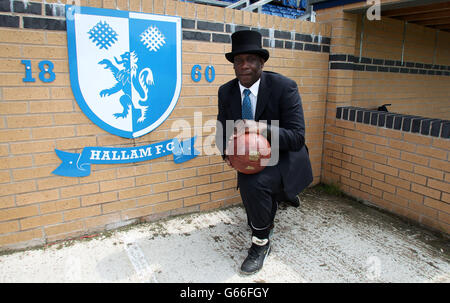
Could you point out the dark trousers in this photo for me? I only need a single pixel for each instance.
(260, 193)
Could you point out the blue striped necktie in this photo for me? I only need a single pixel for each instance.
(247, 112)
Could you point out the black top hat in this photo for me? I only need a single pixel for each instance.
(246, 42)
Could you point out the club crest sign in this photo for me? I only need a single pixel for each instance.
(125, 73)
(125, 67)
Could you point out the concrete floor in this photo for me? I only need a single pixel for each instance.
(327, 239)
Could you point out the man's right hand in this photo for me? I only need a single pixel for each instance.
(228, 161)
(229, 150)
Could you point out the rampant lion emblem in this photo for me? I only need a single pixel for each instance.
(125, 67)
(130, 83)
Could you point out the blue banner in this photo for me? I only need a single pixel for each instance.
(79, 165)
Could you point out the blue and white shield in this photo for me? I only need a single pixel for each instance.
(125, 67)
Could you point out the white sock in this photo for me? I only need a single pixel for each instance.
(260, 242)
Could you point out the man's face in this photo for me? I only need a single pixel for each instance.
(248, 68)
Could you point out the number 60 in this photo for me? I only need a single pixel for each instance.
(196, 76)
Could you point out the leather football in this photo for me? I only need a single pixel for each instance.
(249, 153)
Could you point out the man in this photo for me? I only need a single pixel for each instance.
(252, 97)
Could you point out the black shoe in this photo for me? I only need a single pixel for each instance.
(294, 203)
(255, 259)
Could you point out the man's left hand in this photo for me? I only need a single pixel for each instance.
(250, 126)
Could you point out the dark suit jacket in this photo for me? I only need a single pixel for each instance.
(278, 99)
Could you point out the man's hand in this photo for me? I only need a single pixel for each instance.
(250, 126)
(242, 127)
(228, 161)
(229, 150)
